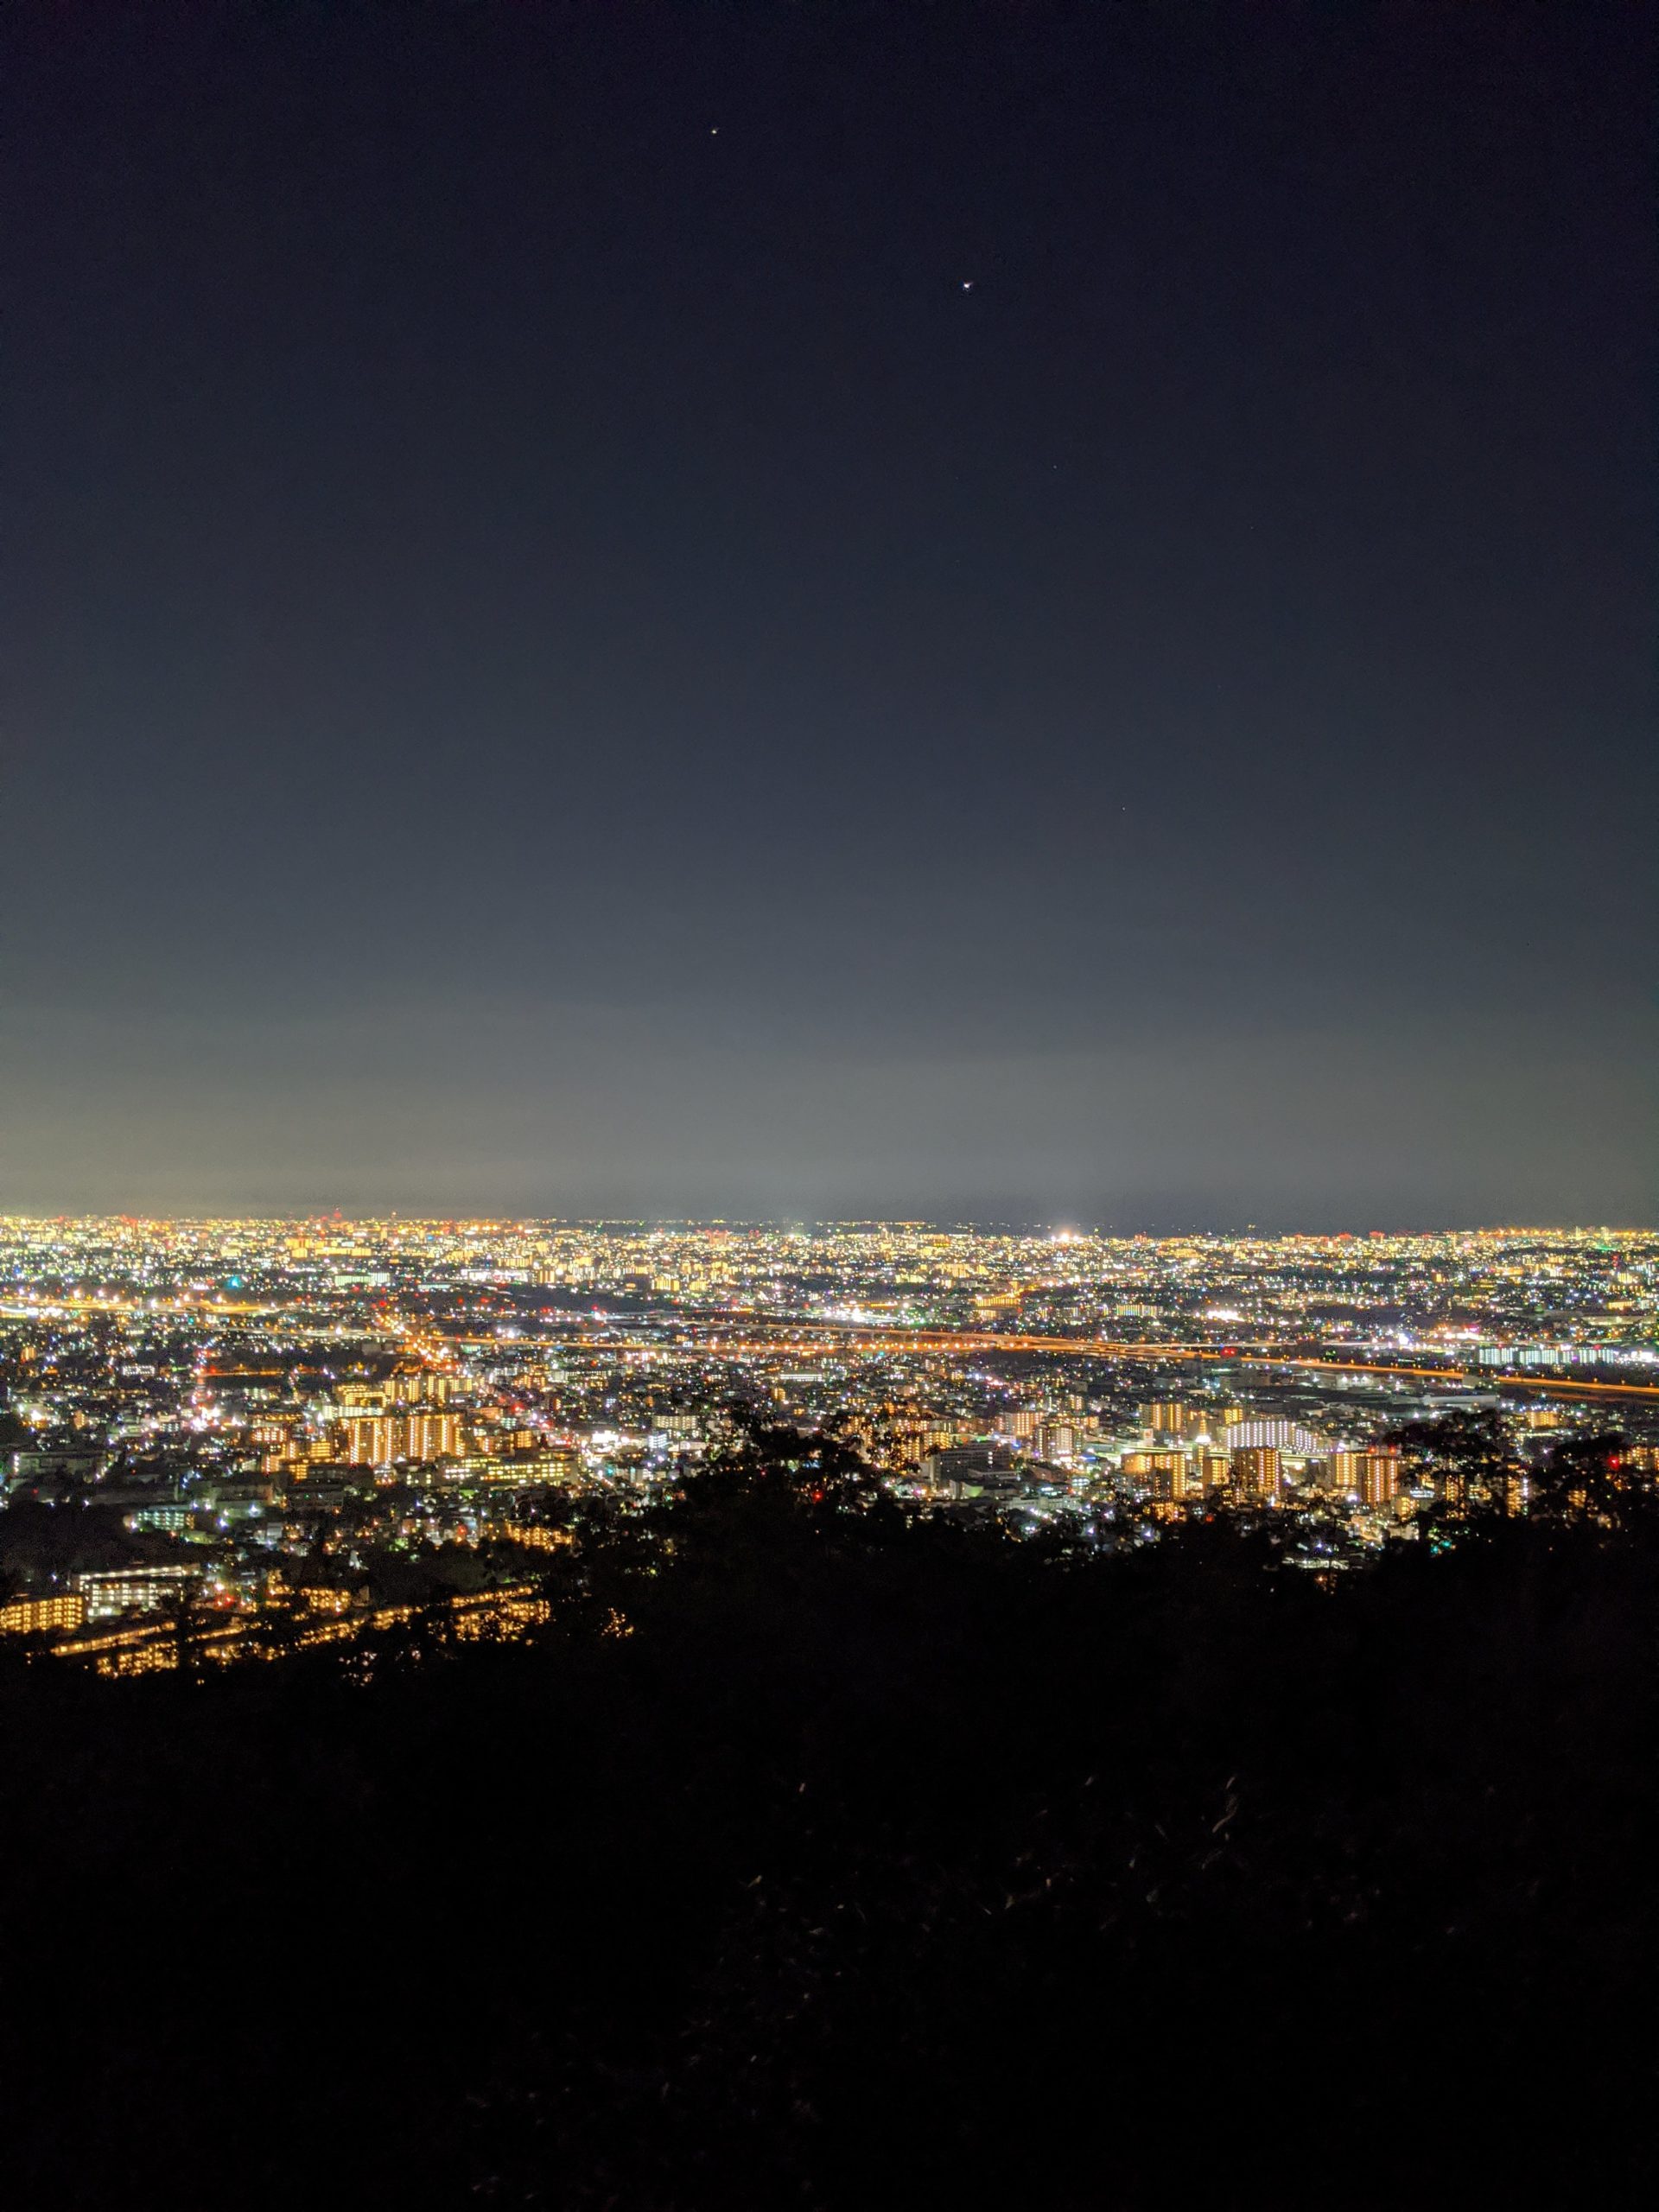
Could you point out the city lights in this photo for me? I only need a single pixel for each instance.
(366, 1416)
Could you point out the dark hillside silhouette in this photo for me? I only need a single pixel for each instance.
(818, 1856)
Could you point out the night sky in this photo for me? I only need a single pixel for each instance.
(1013, 612)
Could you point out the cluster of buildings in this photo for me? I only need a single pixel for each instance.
(372, 1410)
(1171, 1453)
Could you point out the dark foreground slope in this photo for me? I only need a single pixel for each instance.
(872, 1863)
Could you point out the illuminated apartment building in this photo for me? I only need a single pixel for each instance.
(367, 1440)
(1213, 1470)
(1371, 1476)
(378, 1440)
(27, 1615)
(1269, 1435)
(1256, 1470)
(419, 1386)
(1167, 1417)
(1379, 1477)
(1167, 1474)
(131, 1589)
(1346, 1471)
(437, 1436)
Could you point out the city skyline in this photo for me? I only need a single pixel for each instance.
(351, 1418)
(829, 1232)
(602, 1628)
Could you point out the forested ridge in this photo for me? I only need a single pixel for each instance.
(816, 1854)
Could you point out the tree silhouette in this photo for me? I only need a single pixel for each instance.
(1588, 1480)
(185, 1618)
(278, 1627)
(1468, 1456)
(873, 1858)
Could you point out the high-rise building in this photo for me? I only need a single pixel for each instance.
(420, 1386)
(378, 1440)
(437, 1436)
(1371, 1476)
(367, 1440)
(1256, 1470)
(355, 1437)
(1379, 1477)
(1165, 1473)
(1279, 1435)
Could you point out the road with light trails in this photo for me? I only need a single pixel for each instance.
(861, 1338)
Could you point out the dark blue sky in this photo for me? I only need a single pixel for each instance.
(1008, 611)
